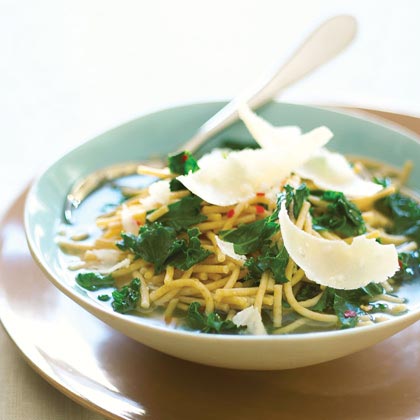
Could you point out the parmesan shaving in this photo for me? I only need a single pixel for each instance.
(335, 263)
(228, 179)
(264, 133)
(329, 171)
(332, 171)
(107, 260)
(159, 194)
(251, 318)
(227, 249)
(128, 222)
(122, 264)
(106, 256)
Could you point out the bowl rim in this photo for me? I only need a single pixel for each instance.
(137, 321)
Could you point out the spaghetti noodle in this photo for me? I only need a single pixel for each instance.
(221, 283)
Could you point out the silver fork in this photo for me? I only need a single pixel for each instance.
(324, 43)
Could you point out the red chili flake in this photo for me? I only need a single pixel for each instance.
(230, 213)
(350, 314)
(400, 263)
(138, 222)
(260, 194)
(259, 209)
(184, 157)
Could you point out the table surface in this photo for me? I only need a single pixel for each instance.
(70, 71)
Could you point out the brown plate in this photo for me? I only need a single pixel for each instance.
(122, 379)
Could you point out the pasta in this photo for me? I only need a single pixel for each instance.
(253, 256)
(220, 282)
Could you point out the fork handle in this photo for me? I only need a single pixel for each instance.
(328, 40)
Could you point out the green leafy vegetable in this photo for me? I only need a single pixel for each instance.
(104, 298)
(182, 163)
(183, 213)
(190, 252)
(308, 291)
(155, 244)
(125, 299)
(410, 266)
(271, 259)
(346, 303)
(175, 185)
(160, 246)
(236, 144)
(250, 237)
(211, 323)
(296, 196)
(347, 311)
(385, 182)
(404, 213)
(341, 216)
(94, 281)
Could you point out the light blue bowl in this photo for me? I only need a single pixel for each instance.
(158, 134)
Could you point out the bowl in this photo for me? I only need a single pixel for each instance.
(161, 132)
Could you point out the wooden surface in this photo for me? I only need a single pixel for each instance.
(106, 371)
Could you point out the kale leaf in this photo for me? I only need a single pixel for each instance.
(346, 303)
(250, 237)
(346, 310)
(272, 259)
(238, 144)
(307, 291)
(385, 182)
(211, 323)
(341, 216)
(404, 213)
(296, 196)
(189, 253)
(175, 185)
(125, 299)
(182, 163)
(183, 213)
(155, 244)
(94, 281)
(410, 266)
(160, 246)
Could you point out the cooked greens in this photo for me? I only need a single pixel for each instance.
(212, 323)
(346, 303)
(271, 259)
(341, 216)
(160, 245)
(182, 163)
(296, 196)
(94, 281)
(183, 213)
(404, 213)
(126, 298)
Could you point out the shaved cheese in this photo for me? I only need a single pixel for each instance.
(332, 171)
(159, 194)
(128, 222)
(122, 264)
(106, 256)
(329, 171)
(264, 133)
(251, 318)
(225, 180)
(107, 260)
(335, 263)
(227, 249)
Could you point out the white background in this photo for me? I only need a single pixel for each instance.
(72, 69)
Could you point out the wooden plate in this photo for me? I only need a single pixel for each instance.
(122, 379)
